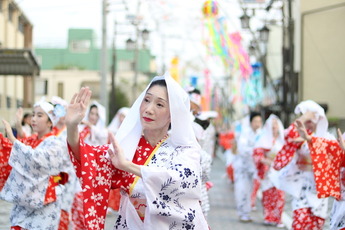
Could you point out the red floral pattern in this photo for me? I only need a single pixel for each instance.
(273, 201)
(287, 152)
(304, 218)
(327, 159)
(98, 176)
(258, 156)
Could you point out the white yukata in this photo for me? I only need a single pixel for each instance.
(167, 196)
(27, 183)
(244, 170)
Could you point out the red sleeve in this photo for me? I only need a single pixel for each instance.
(287, 152)
(95, 172)
(327, 158)
(5, 151)
(258, 155)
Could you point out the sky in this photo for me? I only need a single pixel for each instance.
(176, 26)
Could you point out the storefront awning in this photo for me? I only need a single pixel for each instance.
(18, 62)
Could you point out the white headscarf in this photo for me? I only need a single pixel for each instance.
(204, 115)
(181, 133)
(266, 138)
(48, 108)
(115, 123)
(320, 116)
(101, 113)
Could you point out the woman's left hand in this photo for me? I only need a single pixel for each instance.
(116, 154)
(9, 131)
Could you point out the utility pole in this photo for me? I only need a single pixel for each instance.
(103, 70)
(113, 108)
(289, 81)
(136, 53)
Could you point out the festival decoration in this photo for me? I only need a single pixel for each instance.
(210, 8)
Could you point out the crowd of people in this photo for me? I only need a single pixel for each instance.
(303, 161)
(147, 165)
(65, 168)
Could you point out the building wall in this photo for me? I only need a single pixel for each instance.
(72, 80)
(323, 54)
(12, 87)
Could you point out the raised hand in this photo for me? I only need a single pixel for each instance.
(9, 131)
(341, 140)
(19, 115)
(302, 130)
(116, 154)
(77, 107)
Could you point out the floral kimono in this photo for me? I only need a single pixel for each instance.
(167, 194)
(329, 172)
(297, 179)
(297, 176)
(172, 201)
(38, 168)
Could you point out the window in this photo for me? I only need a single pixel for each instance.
(10, 12)
(60, 89)
(81, 46)
(126, 66)
(94, 87)
(21, 23)
(8, 102)
(41, 87)
(19, 103)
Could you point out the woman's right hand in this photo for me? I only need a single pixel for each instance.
(77, 107)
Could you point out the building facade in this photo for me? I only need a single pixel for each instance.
(66, 70)
(322, 55)
(15, 44)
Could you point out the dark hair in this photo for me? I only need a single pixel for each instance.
(93, 106)
(194, 91)
(158, 82)
(253, 114)
(26, 116)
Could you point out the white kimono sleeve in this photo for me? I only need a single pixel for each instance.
(173, 190)
(31, 170)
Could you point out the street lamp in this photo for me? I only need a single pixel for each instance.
(130, 44)
(145, 34)
(133, 45)
(245, 20)
(263, 33)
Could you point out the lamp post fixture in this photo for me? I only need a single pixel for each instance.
(263, 33)
(245, 20)
(134, 46)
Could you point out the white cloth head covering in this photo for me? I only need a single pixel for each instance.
(266, 138)
(320, 116)
(115, 123)
(101, 113)
(59, 101)
(204, 115)
(48, 108)
(181, 133)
